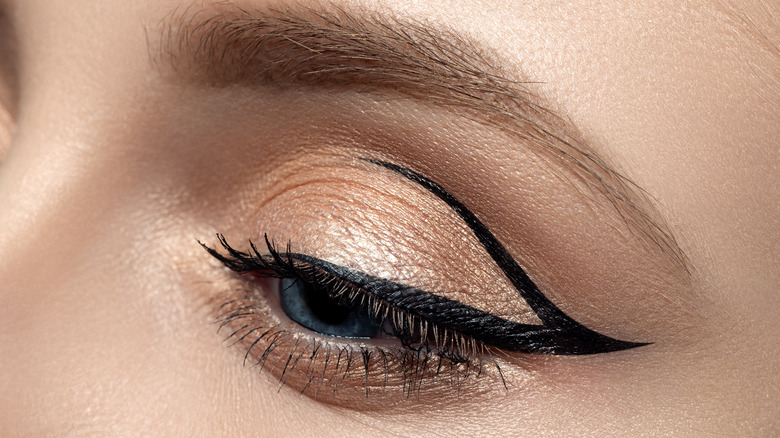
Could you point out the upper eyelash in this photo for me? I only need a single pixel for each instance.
(451, 343)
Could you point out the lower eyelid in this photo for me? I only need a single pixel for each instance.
(358, 375)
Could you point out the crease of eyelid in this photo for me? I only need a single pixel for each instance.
(290, 187)
(333, 48)
(388, 197)
(287, 188)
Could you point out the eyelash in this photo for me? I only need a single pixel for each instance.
(420, 357)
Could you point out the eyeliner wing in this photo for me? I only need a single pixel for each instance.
(561, 333)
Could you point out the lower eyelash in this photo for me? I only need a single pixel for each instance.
(319, 366)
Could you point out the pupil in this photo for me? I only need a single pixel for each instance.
(317, 311)
(323, 307)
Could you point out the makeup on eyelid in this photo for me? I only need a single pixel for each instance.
(408, 237)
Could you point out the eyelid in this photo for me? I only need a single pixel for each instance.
(318, 48)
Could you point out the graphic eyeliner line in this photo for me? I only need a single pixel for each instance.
(550, 315)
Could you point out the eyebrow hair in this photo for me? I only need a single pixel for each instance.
(373, 52)
(755, 25)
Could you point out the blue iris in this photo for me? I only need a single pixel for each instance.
(317, 311)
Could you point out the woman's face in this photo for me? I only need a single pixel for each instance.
(571, 207)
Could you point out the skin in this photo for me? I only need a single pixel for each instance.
(113, 169)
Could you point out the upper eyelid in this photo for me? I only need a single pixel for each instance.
(320, 48)
(531, 294)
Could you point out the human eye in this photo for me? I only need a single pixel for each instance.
(316, 324)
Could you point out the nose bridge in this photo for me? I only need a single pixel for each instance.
(74, 91)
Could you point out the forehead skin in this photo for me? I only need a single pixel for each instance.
(682, 99)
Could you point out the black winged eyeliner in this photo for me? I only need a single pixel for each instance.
(559, 333)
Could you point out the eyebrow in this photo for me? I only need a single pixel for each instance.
(374, 52)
